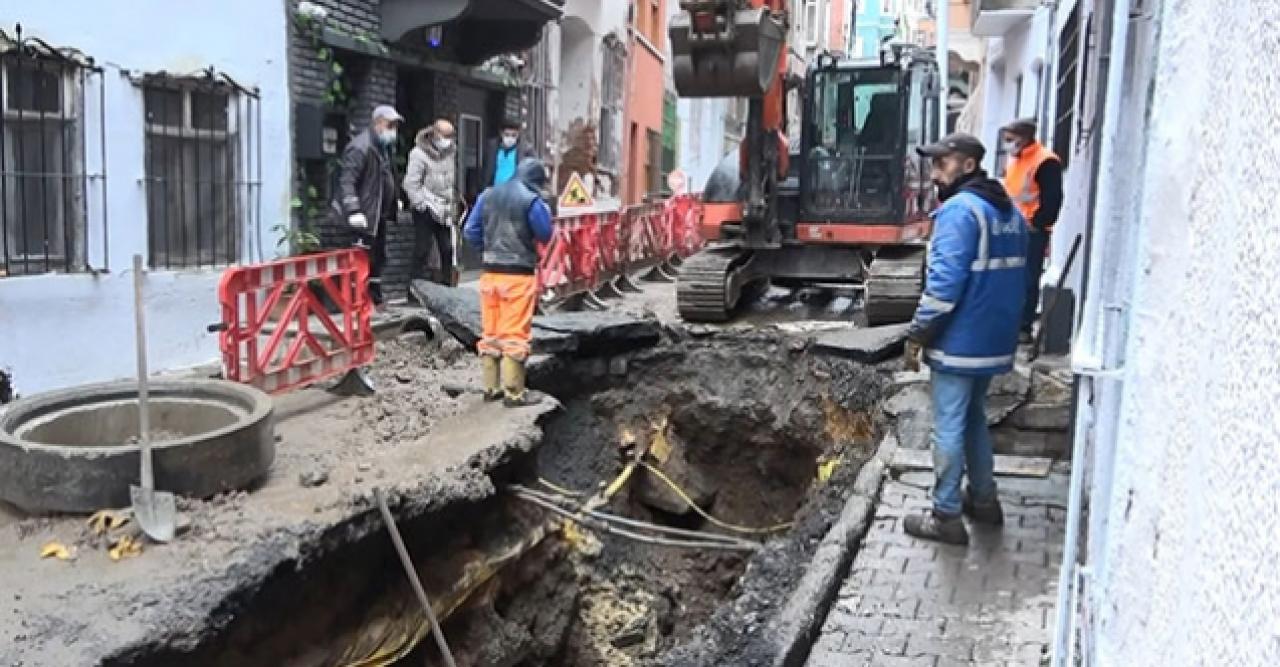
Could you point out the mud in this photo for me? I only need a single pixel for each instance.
(428, 451)
(752, 418)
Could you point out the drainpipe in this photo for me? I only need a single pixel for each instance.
(943, 9)
(1098, 374)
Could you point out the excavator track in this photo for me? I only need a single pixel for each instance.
(705, 288)
(893, 286)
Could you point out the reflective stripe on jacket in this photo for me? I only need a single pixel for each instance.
(971, 308)
(1020, 178)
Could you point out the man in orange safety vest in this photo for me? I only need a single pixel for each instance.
(1033, 178)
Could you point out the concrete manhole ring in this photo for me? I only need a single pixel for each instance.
(75, 450)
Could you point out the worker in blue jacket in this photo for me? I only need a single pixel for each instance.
(506, 225)
(966, 329)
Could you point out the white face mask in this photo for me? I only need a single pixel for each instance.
(444, 144)
(1012, 148)
(387, 136)
(508, 141)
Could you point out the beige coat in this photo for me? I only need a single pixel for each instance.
(430, 179)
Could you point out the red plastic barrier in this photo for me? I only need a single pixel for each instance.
(592, 248)
(273, 320)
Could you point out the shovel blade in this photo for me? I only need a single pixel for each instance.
(354, 383)
(155, 511)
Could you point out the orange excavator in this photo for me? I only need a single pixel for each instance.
(849, 207)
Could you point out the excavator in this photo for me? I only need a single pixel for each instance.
(849, 207)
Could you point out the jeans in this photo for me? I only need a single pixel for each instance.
(1037, 243)
(961, 441)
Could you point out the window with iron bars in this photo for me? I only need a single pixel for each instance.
(42, 180)
(609, 156)
(193, 203)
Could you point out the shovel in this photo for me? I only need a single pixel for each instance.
(153, 510)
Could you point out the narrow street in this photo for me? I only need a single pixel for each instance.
(639, 333)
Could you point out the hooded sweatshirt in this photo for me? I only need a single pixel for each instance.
(430, 180)
(509, 220)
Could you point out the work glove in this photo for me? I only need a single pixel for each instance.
(911, 355)
(358, 221)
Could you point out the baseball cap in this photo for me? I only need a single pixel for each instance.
(1024, 127)
(388, 112)
(956, 142)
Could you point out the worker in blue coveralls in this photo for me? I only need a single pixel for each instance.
(966, 330)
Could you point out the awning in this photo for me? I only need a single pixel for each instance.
(473, 30)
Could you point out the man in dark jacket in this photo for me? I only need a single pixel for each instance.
(503, 153)
(506, 225)
(367, 199)
(966, 328)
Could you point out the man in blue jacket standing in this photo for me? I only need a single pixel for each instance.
(966, 329)
(506, 225)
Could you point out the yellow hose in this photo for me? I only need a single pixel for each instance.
(704, 514)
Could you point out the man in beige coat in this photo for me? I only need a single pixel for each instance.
(430, 183)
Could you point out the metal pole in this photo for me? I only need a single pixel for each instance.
(942, 9)
(412, 573)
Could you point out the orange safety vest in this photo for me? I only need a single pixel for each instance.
(1020, 181)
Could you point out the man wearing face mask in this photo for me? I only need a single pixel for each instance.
(366, 199)
(429, 182)
(1034, 180)
(503, 154)
(966, 329)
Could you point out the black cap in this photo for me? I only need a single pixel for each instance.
(956, 142)
(1023, 127)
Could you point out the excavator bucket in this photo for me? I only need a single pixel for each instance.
(724, 52)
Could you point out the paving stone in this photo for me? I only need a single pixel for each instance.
(864, 345)
(989, 603)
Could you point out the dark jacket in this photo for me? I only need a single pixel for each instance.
(524, 152)
(970, 311)
(367, 182)
(508, 220)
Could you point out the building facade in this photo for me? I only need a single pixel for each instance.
(642, 147)
(175, 147)
(1171, 556)
(453, 60)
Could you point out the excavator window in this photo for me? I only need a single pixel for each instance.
(856, 120)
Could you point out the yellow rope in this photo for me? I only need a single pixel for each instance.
(704, 514)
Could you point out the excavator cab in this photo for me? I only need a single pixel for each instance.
(862, 122)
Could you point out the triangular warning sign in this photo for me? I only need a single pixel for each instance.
(575, 193)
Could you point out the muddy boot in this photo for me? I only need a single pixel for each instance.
(986, 511)
(514, 394)
(491, 366)
(930, 525)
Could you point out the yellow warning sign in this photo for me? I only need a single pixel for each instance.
(575, 193)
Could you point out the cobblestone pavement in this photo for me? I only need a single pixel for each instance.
(914, 602)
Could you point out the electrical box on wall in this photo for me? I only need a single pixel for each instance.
(317, 133)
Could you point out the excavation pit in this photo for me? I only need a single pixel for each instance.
(744, 428)
(76, 450)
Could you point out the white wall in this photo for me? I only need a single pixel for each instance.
(60, 330)
(1187, 571)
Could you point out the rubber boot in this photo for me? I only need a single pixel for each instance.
(930, 525)
(513, 388)
(492, 367)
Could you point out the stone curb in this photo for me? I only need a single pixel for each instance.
(796, 627)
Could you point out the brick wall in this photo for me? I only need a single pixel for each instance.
(370, 81)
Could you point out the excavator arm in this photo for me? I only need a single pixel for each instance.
(738, 48)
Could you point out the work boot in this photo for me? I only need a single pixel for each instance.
(514, 394)
(933, 526)
(492, 367)
(986, 511)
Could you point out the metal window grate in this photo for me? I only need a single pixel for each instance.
(614, 71)
(44, 184)
(203, 171)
